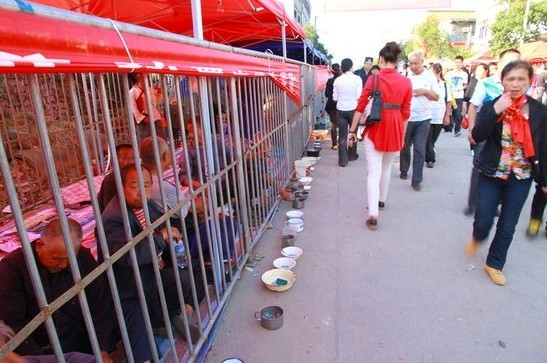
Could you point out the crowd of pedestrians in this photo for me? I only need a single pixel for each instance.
(503, 107)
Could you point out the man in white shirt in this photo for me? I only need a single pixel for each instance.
(346, 92)
(416, 134)
(458, 79)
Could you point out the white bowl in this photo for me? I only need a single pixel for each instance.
(296, 223)
(292, 252)
(312, 160)
(294, 214)
(270, 277)
(307, 180)
(307, 187)
(285, 263)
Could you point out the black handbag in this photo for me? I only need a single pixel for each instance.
(375, 115)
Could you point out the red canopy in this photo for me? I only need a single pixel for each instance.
(35, 44)
(224, 21)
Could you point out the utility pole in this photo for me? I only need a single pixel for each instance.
(525, 19)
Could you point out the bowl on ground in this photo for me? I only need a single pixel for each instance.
(307, 180)
(285, 263)
(292, 252)
(278, 279)
(294, 214)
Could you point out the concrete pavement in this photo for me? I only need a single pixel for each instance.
(402, 293)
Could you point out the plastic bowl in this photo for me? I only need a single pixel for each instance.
(294, 214)
(292, 252)
(310, 159)
(285, 263)
(307, 187)
(271, 276)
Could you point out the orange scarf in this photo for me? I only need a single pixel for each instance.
(519, 126)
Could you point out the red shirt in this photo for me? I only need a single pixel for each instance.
(387, 135)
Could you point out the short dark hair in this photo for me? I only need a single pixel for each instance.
(460, 57)
(390, 52)
(485, 67)
(53, 229)
(132, 167)
(376, 66)
(511, 50)
(518, 64)
(346, 64)
(123, 146)
(335, 67)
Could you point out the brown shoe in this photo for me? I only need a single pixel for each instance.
(495, 275)
(470, 249)
(371, 223)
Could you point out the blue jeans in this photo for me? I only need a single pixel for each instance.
(511, 194)
(416, 134)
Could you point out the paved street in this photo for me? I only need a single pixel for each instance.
(402, 293)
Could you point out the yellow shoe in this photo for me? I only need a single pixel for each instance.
(533, 228)
(495, 275)
(334, 147)
(471, 248)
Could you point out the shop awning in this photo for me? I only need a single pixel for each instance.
(534, 52)
(294, 50)
(224, 21)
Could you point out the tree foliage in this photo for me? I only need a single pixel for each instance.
(435, 43)
(507, 31)
(314, 38)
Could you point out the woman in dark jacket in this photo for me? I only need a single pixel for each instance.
(514, 129)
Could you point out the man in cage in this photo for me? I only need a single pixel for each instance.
(124, 154)
(116, 238)
(19, 305)
(140, 108)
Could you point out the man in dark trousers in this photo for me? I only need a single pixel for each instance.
(123, 271)
(331, 105)
(18, 303)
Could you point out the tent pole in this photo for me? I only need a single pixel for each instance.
(304, 52)
(284, 45)
(197, 26)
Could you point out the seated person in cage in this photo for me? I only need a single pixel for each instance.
(124, 154)
(140, 109)
(146, 150)
(6, 334)
(116, 238)
(19, 305)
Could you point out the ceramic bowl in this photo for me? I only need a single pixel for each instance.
(294, 214)
(285, 263)
(296, 223)
(307, 180)
(292, 252)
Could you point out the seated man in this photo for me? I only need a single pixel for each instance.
(117, 238)
(124, 154)
(146, 150)
(6, 334)
(18, 303)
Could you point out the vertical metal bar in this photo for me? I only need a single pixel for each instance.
(120, 192)
(28, 253)
(284, 45)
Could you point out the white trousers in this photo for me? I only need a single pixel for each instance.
(379, 168)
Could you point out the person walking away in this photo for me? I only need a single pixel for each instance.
(485, 90)
(384, 139)
(331, 105)
(458, 79)
(513, 127)
(346, 91)
(441, 111)
(481, 72)
(416, 134)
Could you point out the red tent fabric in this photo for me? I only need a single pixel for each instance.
(37, 44)
(224, 21)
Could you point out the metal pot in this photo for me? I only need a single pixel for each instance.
(271, 317)
(295, 185)
(288, 240)
(301, 195)
(298, 203)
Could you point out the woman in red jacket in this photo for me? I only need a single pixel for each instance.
(384, 139)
